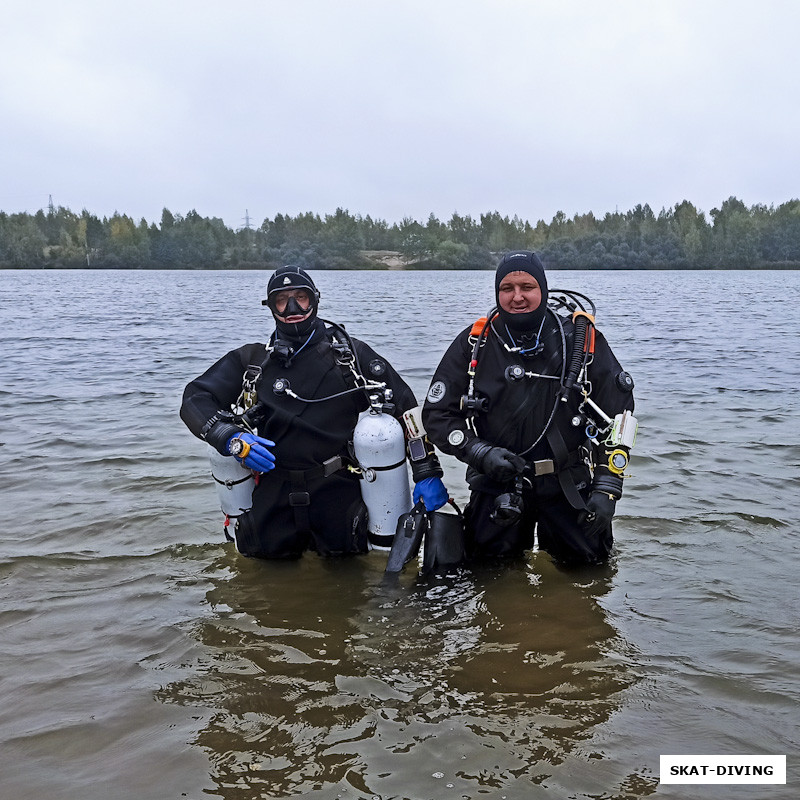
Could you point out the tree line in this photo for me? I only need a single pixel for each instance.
(735, 237)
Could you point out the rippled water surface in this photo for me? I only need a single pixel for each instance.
(141, 657)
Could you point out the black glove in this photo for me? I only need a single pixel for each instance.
(496, 462)
(599, 512)
(219, 434)
(502, 465)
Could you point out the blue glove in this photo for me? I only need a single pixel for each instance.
(432, 492)
(256, 455)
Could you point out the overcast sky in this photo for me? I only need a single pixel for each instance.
(397, 108)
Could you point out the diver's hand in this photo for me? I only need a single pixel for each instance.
(599, 512)
(502, 465)
(252, 451)
(496, 462)
(432, 492)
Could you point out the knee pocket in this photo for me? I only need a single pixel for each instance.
(282, 542)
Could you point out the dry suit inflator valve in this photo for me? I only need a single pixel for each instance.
(514, 372)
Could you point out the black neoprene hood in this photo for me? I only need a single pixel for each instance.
(286, 278)
(290, 277)
(521, 261)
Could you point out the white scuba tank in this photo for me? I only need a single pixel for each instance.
(235, 484)
(380, 449)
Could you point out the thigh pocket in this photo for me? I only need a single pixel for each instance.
(246, 539)
(357, 526)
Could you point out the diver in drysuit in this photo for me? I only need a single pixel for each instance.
(287, 411)
(540, 423)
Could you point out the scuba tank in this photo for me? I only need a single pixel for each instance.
(380, 450)
(235, 484)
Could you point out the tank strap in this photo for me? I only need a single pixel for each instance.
(389, 468)
(229, 483)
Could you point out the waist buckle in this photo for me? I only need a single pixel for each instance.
(544, 467)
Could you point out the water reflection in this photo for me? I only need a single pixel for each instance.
(327, 677)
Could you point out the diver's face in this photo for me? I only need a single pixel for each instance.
(293, 305)
(519, 293)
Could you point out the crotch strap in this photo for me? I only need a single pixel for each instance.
(299, 496)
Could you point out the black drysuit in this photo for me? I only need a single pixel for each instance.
(517, 413)
(283, 521)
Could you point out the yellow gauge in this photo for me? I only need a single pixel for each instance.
(617, 461)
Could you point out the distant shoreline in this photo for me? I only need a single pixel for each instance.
(679, 238)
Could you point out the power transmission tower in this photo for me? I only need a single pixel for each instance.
(247, 223)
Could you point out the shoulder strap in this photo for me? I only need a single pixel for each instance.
(478, 326)
(249, 394)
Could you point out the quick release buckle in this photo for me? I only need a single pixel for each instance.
(299, 499)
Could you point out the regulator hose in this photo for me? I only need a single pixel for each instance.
(578, 353)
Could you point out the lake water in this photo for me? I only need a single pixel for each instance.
(141, 657)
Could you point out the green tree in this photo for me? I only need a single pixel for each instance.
(342, 239)
(128, 246)
(735, 236)
(23, 242)
(412, 240)
(693, 232)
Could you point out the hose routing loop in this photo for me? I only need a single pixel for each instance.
(347, 358)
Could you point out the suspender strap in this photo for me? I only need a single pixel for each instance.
(562, 459)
